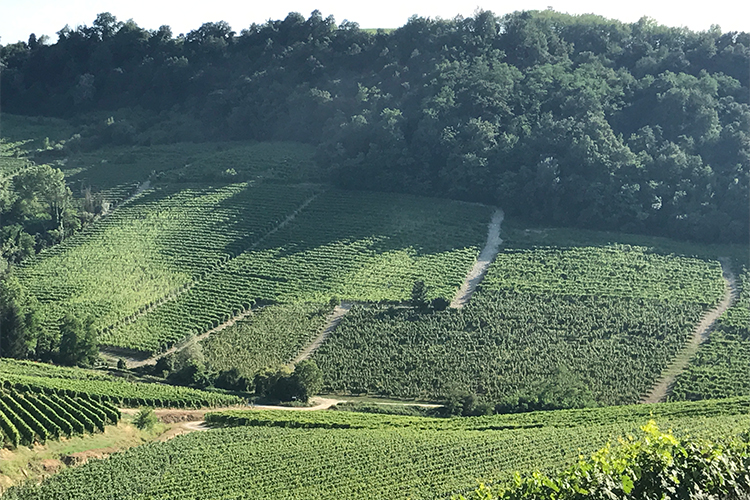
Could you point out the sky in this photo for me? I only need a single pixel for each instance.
(19, 18)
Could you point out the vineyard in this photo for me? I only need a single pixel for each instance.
(319, 455)
(12, 160)
(40, 378)
(269, 337)
(721, 367)
(115, 169)
(353, 246)
(546, 320)
(28, 418)
(150, 249)
(611, 271)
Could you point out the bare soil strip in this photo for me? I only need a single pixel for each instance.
(334, 318)
(483, 262)
(133, 361)
(319, 404)
(663, 386)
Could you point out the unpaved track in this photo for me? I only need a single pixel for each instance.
(663, 386)
(132, 362)
(320, 404)
(334, 318)
(187, 421)
(483, 262)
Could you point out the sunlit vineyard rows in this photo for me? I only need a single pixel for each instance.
(151, 248)
(26, 376)
(379, 457)
(269, 337)
(353, 246)
(28, 418)
(612, 335)
(507, 344)
(613, 271)
(721, 368)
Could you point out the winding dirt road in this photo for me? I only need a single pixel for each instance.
(663, 386)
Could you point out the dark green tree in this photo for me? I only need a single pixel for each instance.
(78, 342)
(419, 296)
(307, 379)
(19, 322)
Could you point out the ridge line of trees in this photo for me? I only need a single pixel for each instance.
(570, 120)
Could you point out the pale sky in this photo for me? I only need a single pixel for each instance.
(19, 18)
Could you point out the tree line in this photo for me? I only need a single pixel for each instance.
(569, 120)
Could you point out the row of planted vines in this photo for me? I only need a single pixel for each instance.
(355, 246)
(594, 325)
(721, 368)
(26, 418)
(151, 248)
(269, 454)
(269, 337)
(30, 377)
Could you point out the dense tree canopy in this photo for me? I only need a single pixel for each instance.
(575, 120)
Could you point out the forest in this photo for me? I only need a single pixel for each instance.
(561, 120)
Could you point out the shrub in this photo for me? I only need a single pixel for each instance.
(145, 419)
(657, 465)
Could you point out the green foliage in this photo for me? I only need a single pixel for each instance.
(355, 246)
(507, 345)
(308, 378)
(656, 465)
(578, 120)
(611, 271)
(722, 364)
(364, 455)
(19, 322)
(549, 328)
(150, 250)
(26, 418)
(232, 380)
(44, 378)
(419, 296)
(282, 385)
(145, 418)
(269, 337)
(78, 342)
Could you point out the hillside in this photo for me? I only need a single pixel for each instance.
(493, 235)
(580, 120)
(340, 454)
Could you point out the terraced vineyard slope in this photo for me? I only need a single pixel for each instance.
(114, 171)
(28, 418)
(327, 455)
(268, 337)
(151, 249)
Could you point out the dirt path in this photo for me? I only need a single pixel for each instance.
(319, 404)
(132, 361)
(663, 386)
(138, 190)
(334, 318)
(483, 262)
(182, 421)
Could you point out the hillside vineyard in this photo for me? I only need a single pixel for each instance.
(495, 257)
